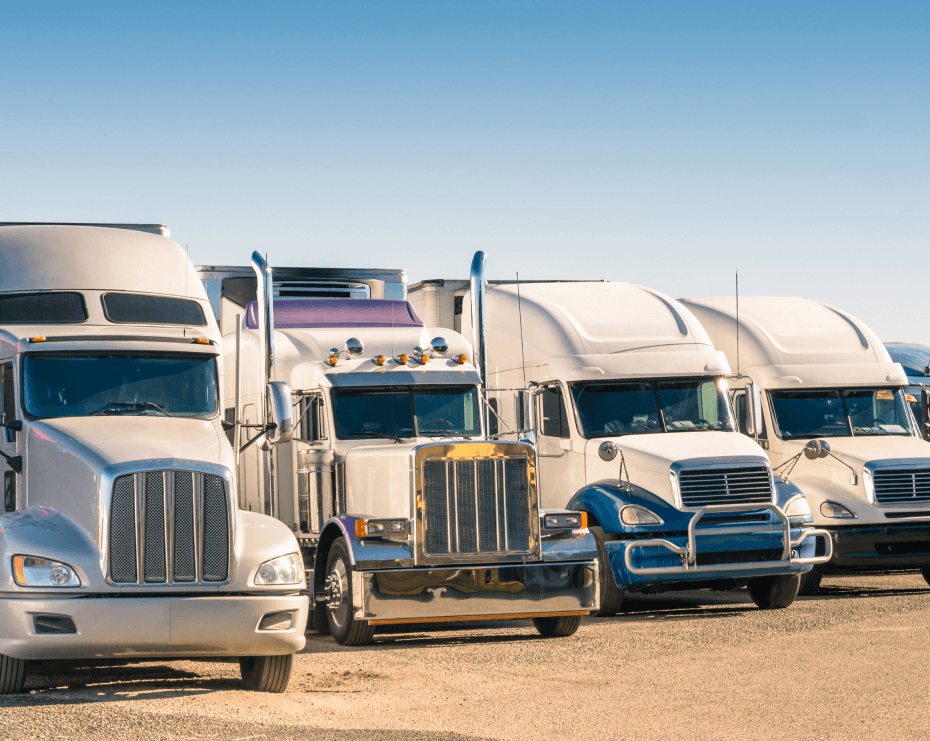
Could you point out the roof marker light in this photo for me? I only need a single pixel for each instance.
(201, 341)
(463, 358)
(424, 359)
(378, 359)
(37, 339)
(403, 359)
(332, 359)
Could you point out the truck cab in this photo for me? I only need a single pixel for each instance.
(628, 400)
(836, 424)
(405, 510)
(120, 534)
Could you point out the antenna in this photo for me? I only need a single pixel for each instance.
(187, 250)
(520, 309)
(737, 322)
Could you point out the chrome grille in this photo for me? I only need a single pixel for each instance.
(161, 520)
(702, 487)
(477, 506)
(902, 485)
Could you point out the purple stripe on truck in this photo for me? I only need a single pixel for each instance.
(294, 313)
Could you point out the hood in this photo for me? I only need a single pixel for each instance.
(857, 451)
(65, 457)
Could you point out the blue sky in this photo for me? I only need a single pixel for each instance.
(662, 143)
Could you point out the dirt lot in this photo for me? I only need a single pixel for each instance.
(850, 663)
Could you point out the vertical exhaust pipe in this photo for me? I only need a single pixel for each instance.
(479, 331)
(264, 296)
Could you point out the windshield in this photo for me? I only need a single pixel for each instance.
(398, 412)
(609, 409)
(840, 413)
(70, 385)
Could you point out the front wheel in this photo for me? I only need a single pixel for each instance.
(557, 626)
(774, 592)
(926, 572)
(810, 582)
(12, 675)
(340, 612)
(266, 673)
(611, 594)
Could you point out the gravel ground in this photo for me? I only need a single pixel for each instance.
(848, 663)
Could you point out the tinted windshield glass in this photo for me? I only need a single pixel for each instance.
(405, 412)
(66, 385)
(607, 409)
(840, 412)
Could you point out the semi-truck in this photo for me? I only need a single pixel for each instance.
(627, 399)
(836, 424)
(120, 534)
(405, 510)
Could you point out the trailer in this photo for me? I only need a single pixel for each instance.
(405, 510)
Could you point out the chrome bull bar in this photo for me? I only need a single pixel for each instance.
(688, 553)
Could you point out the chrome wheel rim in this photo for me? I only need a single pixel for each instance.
(337, 593)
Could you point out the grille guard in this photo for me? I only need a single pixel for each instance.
(688, 553)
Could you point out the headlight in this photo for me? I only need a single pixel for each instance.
(379, 528)
(633, 515)
(837, 511)
(29, 571)
(798, 507)
(566, 521)
(282, 570)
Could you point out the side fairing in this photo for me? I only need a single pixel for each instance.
(605, 499)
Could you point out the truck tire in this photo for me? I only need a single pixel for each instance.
(774, 592)
(340, 612)
(611, 594)
(266, 673)
(12, 675)
(557, 626)
(926, 572)
(810, 582)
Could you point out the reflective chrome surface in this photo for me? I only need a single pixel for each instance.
(701, 482)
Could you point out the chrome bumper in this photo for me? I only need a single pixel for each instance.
(689, 552)
(152, 627)
(474, 593)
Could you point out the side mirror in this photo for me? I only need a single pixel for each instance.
(753, 410)
(280, 413)
(523, 406)
(816, 449)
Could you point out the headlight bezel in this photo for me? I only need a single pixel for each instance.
(276, 572)
(27, 572)
(634, 515)
(794, 504)
(837, 511)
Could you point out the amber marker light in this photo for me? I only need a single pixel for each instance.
(378, 359)
(18, 570)
(360, 529)
(424, 359)
(37, 339)
(584, 520)
(332, 360)
(202, 341)
(461, 358)
(403, 359)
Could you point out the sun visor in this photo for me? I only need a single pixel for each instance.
(829, 375)
(640, 365)
(402, 378)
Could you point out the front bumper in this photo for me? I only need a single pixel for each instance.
(723, 552)
(879, 547)
(152, 627)
(475, 593)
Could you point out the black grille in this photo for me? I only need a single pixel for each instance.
(701, 487)
(902, 485)
(160, 510)
(476, 506)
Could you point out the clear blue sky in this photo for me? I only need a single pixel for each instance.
(662, 143)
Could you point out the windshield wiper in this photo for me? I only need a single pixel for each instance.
(372, 433)
(115, 407)
(446, 433)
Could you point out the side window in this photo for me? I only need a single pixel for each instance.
(9, 399)
(311, 426)
(230, 416)
(493, 421)
(553, 420)
(9, 491)
(739, 404)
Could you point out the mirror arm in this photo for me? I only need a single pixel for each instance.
(16, 425)
(264, 429)
(14, 461)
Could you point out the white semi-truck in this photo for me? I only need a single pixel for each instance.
(836, 423)
(120, 534)
(406, 512)
(627, 398)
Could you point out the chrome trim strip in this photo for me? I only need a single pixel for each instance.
(168, 502)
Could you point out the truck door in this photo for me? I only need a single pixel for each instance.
(556, 479)
(8, 438)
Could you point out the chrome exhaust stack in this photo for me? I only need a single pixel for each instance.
(479, 329)
(264, 299)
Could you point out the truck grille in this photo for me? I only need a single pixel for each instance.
(172, 526)
(902, 485)
(701, 487)
(477, 506)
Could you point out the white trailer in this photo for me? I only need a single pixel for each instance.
(120, 537)
(633, 426)
(836, 423)
(405, 511)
